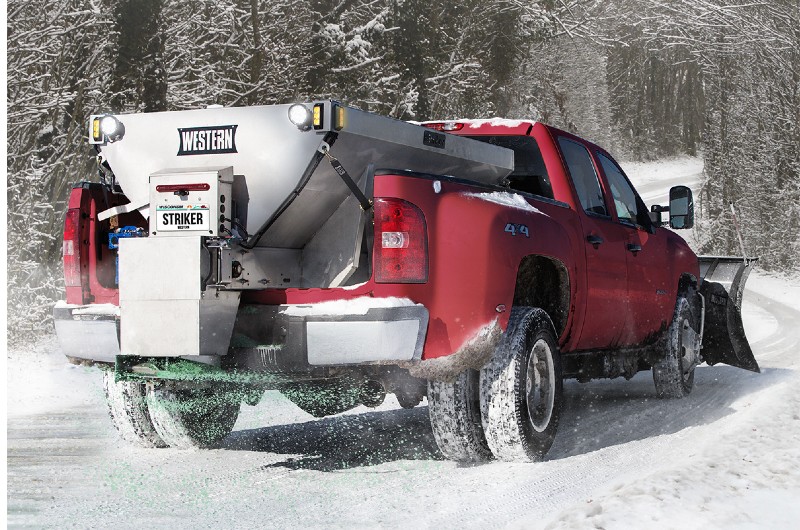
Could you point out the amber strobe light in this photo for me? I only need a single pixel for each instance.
(97, 135)
(338, 112)
(319, 116)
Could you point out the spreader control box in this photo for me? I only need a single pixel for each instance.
(191, 202)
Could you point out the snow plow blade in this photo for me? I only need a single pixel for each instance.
(724, 340)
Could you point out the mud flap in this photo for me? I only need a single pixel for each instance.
(724, 340)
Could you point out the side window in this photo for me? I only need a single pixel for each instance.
(629, 207)
(583, 176)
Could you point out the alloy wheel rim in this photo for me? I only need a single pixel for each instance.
(685, 360)
(540, 385)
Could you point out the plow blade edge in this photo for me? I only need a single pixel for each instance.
(724, 340)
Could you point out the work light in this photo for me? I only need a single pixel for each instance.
(105, 128)
(301, 116)
(109, 125)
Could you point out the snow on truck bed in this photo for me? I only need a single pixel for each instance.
(505, 199)
(355, 306)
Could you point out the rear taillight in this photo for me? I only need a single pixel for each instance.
(401, 242)
(72, 248)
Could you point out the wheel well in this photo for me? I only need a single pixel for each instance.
(686, 282)
(544, 282)
(687, 286)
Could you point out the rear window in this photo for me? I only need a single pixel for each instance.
(530, 173)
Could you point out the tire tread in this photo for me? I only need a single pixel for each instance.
(127, 407)
(455, 416)
(503, 390)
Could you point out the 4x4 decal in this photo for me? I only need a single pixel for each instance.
(514, 229)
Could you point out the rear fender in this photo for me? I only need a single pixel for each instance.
(722, 288)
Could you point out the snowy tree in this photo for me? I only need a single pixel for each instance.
(750, 56)
(347, 55)
(138, 81)
(57, 65)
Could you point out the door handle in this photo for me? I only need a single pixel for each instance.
(594, 240)
(634, 247)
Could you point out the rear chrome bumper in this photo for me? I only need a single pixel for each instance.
(363, 331)
(380, 335)
(291, 338)
(88, 332)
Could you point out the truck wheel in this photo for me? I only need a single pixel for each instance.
(191, 417)
(127, 407)
(674, 374)
(522, 388)
(454, 410)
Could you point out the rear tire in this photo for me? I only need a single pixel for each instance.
(127, 406)
(522, 388)
(672, 377)
(455, 414)
(192, 417)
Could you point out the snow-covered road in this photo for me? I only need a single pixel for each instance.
(726, 456)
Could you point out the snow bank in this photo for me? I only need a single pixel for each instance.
(642, 173)
(783, 288)
(759, 324)
(41, 380)
(764, 292)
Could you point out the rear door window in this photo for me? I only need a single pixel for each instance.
(530, 173)
(584, 176)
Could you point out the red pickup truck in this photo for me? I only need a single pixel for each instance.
(337, 256)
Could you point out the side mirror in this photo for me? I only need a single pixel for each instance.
(681, 207)
(655, 214)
